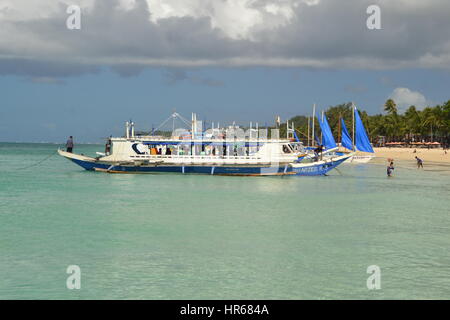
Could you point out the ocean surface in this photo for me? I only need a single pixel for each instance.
(169, 236)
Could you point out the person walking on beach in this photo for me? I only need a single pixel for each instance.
(390, 168)
(419, 163)
(69, 144)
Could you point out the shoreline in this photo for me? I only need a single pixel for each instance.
(434, 156)
(433, 159)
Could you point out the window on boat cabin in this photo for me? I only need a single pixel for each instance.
(286, 148)
(295, 147)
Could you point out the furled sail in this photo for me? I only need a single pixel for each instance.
(362, 140)
(346, 140)
(327, 135)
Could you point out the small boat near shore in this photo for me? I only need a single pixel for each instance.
(216, 151)
(360, 159)
(360, 143)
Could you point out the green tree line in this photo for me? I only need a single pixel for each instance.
(429, 124)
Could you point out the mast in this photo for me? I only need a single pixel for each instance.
(339, 130)
(194, 125)
(353, 124)
(321, 133)
(308, 133)
(307, 143)
(173, 121)
(287, 129)
(127, 130)
(313, 118)
(293, 130)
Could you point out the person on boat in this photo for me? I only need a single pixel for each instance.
(69, 144)
(108, 146)
(318, 151)
(390, 168)
(419, 163)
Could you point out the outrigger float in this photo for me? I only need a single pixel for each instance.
(217, 151)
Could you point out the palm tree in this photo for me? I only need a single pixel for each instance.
(446, 115)
(334, 115)
(434, 120)
(412, 121)
(392, 120)
(390, 107)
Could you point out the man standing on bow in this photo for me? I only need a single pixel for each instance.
(69, 144)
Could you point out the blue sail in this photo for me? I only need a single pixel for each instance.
(296, 137)
(317, 140)
(346, 140)
(327, 135)
(362, 140)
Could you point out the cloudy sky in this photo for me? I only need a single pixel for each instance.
(243, 60)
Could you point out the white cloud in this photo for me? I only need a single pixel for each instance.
(236, 18)
(23, 10)
(127, 4)
(405, 98)
(139, 33)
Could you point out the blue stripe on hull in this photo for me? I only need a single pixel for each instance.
(319, 169)
(179, 169)
(90, 165)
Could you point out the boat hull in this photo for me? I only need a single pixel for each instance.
(359, 159)
(308, 169)
(318, 168)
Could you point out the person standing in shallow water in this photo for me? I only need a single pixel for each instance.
(390, 168)
(419, 163)
(69, 144)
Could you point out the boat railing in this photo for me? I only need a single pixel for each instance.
(196, 157)
(211, 159)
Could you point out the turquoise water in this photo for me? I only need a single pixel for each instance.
(209, 237)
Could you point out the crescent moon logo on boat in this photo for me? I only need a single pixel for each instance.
(136, 149)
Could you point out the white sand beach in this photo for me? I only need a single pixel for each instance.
(427, 155)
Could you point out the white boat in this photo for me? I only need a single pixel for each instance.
(216, 151)
(359, 159)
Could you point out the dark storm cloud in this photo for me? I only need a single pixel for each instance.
(173, 76)
(38, 68)
(330, 34)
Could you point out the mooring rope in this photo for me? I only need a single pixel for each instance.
(39, 162)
